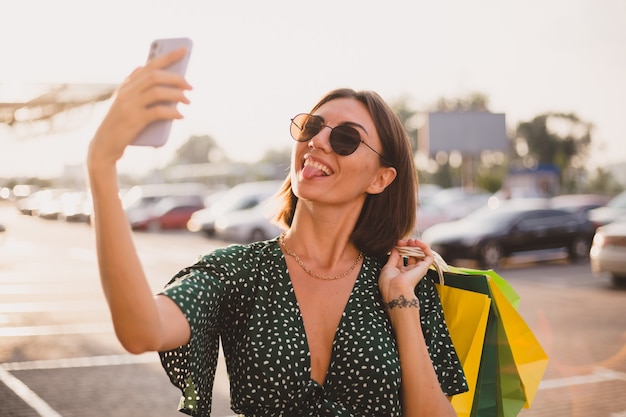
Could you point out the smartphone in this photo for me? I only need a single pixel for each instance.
(157, 133)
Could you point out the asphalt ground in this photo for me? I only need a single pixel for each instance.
(60, 358)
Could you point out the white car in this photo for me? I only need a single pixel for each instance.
(613, 210)
(608, 251)
(248, 225)
(447, 205)
(240, 197)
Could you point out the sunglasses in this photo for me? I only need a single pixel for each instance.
(344, 139)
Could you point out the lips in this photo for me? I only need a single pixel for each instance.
(313, 168)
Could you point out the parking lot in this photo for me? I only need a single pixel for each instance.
(59, 356)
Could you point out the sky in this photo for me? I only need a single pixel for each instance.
(255, 64)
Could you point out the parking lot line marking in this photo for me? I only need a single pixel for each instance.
(82, 362)
(27, 395)
(599, 375)
(48, 288)
(56, 329)
(54, 306)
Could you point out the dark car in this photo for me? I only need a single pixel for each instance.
(489, 235)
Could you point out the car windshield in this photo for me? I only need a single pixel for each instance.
(619, 201)
(229, 202)
(244, 197)
(488, 218)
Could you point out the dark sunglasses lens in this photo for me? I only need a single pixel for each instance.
(304, 127)
(344, 140)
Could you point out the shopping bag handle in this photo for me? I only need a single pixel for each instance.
(438, 263)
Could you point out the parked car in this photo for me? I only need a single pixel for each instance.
(446, 205)
(581, 204)
(140, 201)
(76, 206)
(240, 197)
(489, 235)
(613, 210)
(169, 213)
(45, 203)
(248, 225)
(427, 191)
(585, 202)
(608, 251)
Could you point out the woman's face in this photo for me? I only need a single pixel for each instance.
(319, 174)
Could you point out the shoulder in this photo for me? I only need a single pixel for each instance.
(241, 255)
(233, 266)
(241, 260)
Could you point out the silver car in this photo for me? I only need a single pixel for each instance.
(608, 251)
(241, 197)
(248, 225)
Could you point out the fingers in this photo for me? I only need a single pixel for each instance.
(155, 74)
(148, 94)
(151, 92)
(415, 251)
(165, 60)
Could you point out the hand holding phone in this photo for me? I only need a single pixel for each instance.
(157, 133)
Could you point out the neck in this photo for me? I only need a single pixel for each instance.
(323, 233)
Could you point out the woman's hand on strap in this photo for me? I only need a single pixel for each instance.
(400, 275)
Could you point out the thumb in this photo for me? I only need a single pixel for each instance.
(394, 257)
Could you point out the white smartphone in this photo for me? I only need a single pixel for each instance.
(157, 133)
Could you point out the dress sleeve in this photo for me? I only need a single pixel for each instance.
(199, 293)
(442, 352)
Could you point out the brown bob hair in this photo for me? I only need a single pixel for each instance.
(390, 215)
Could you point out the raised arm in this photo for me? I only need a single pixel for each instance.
(421, 391)
(142, 321)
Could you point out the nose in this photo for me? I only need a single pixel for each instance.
(322, 139)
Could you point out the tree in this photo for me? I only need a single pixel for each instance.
(198, 150)
(408, 118)
(602, 181)
(558, 139)
(473, 102)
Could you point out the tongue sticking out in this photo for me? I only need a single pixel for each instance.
(309, 172)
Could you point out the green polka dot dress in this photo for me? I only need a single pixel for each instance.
(242, 295)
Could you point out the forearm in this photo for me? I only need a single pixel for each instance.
(421, 392)
(131, 302)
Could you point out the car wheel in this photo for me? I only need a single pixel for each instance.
(579, 249)
(618, 280)
(491, 255)
(257, 235)
(154, 226)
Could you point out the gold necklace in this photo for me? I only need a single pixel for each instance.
(281, 240)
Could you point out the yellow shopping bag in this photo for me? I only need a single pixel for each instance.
(466, 313)
(529, 357)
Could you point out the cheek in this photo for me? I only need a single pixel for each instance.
(298, 150)
(360, 173)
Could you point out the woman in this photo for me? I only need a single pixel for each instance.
(324, 320)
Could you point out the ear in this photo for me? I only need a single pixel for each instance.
(384, 177)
